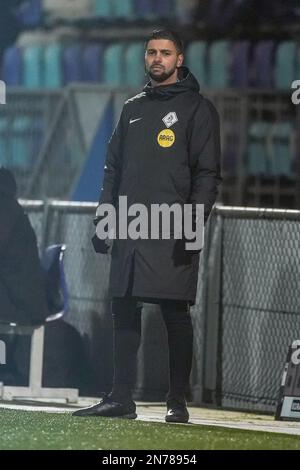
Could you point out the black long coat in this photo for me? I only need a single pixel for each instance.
(152, 160)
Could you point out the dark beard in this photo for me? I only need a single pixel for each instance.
(162, 77)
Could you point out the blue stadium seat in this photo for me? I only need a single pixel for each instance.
(53, 77)
(163, 8)
(72, 64)
(30, 12)
(20, 143)
(12, 66)
(33, 66)
(92, 63)
(144, 9)
(264, 64)
(196, 59)
(69, 10)
(103, 9)
(185, 12)
(113, 64)
(240, 65)
(218, 64)
(258, 150)
(52, 263)
(285, 64)
(134, 69)
(281, 161)
(214, 11)
(4, 141)
(221, 14)
(123, 9)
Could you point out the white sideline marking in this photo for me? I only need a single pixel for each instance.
(146, 414)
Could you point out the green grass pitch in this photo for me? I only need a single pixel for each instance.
(40, 430)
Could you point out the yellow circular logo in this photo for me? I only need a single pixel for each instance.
(166, 138)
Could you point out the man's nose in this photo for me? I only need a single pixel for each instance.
(158, 58)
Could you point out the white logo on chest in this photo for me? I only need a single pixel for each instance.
(170, 119)
(134, 120)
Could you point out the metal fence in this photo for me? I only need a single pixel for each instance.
(87, 277)
(45, 137)
(24, 122)
(247, 310)
(252, 306)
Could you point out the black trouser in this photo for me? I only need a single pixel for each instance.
(127, 334)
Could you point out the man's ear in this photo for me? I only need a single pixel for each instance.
(179, 60)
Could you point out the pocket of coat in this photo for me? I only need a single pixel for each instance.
(182, 182)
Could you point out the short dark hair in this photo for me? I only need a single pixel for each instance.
(166, 34)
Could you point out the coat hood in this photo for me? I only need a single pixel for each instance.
(187, 82)
(8, 184)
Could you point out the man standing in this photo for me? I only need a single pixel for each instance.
(164, 150)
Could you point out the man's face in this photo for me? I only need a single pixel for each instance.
(162, 60)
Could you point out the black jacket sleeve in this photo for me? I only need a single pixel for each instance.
(113, 164)
(204, 157)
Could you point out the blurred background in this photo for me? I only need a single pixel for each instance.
(70, 64)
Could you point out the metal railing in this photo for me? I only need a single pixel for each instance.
(247, 310)
(45, 138)
(252, 304)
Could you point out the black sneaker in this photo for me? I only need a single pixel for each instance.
(177, 411)
(109, 407)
